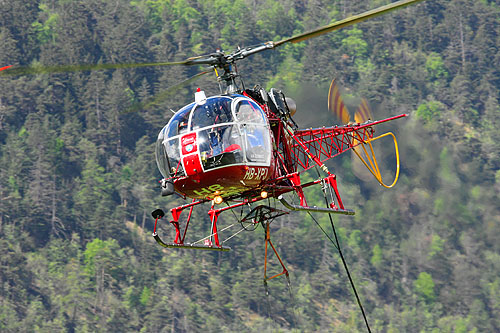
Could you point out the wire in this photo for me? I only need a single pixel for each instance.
(349, 274)
(229, 226)
(233, 235)
(321, 228)
(337, 246)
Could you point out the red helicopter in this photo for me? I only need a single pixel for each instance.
(243, 147)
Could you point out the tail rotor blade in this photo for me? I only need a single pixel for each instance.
(336, 104)
(363, 113)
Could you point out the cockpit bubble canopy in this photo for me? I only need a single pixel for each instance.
(230, 130)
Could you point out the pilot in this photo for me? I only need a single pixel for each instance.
(182, 127)
(215, 141)
(231, 139)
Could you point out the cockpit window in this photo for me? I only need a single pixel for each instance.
(168, 156)
(220, 146)
(161, 157)
(254, 132)
(229, 130)
(249, 112)
(256, 142)
(179, 122)
(214, 111)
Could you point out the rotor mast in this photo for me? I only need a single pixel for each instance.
(227, 63)
(229, 77)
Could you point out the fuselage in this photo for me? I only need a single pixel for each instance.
(216, 146)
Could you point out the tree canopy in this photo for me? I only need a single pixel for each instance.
(78, 178)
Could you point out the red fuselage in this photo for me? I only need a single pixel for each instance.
(217, 146)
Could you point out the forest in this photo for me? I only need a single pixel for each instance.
(78, 178)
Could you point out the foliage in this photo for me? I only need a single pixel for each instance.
(430, 111)
(78, 179)
(424, 287)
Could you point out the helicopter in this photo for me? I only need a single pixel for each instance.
(242, 148)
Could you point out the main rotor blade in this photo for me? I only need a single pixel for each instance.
(215, 59)
(347, 22)
(40, 69)
(157, 99)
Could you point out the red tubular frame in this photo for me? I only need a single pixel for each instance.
(313, 147)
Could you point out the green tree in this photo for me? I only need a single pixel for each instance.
(424, 287)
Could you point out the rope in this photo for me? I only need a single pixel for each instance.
(294, 314)
(229, 226)
(268, 302)
(233, 235)
(337, 246)
(349, 274)
(323, 230)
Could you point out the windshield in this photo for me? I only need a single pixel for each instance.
(229, 130)
(248, 112)
(220, 146)
(161, 156)
(168, 156)
(254, 131)
(216, 110)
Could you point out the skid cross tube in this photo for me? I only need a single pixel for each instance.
(314, 208)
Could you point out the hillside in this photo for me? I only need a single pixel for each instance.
(78, 178)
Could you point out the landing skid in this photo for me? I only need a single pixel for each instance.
(190, 246)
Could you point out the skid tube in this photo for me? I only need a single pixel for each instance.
(189, 246)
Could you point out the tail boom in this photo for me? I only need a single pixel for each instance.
(312, 147)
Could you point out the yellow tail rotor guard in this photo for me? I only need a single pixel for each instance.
(372, 160)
